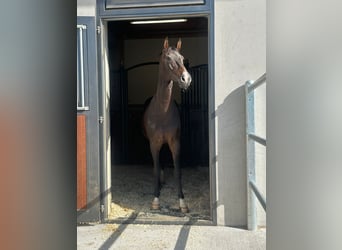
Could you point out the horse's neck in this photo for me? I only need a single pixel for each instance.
(164, 94)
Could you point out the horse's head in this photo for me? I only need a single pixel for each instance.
(172, 62)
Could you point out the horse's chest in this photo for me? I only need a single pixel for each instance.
(161, 125)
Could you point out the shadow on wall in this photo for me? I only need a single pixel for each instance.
(231, 160)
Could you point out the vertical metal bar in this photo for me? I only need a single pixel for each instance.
(250, 158)
(198, 90)
(78, 69)
(81, 67)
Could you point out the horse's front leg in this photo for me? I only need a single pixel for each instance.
(175, 149)
(155, 149)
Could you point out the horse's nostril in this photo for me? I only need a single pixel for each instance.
(183, 78)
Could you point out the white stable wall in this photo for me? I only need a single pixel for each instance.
(240, 55)
(86, 7)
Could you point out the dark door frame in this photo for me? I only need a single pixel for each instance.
(91, 211)
(103, 16)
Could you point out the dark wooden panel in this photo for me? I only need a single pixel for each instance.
(81, 162)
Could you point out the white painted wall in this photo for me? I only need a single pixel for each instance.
(240, 55)
(86, 7)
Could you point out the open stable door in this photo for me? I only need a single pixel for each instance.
(88, 163)
(124, 48)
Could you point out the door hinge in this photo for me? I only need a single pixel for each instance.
(102, 209)
(98, 29)
(101, 119)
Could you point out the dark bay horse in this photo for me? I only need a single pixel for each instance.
(161, 118)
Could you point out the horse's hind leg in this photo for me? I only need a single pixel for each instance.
(175, 149)
(156, 171)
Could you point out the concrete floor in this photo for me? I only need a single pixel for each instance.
(142, 236)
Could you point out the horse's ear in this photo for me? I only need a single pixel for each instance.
(166, 43)
(179, 44)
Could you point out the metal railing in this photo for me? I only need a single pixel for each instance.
(251, 138)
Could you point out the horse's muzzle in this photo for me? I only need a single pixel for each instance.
(185, 80)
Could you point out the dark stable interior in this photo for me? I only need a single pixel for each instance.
(129, 146)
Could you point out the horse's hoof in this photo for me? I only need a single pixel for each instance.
(155, 204)
(184, 210)
(155, 207)
(182, 206)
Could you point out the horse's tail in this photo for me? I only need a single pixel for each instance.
(146, 104)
